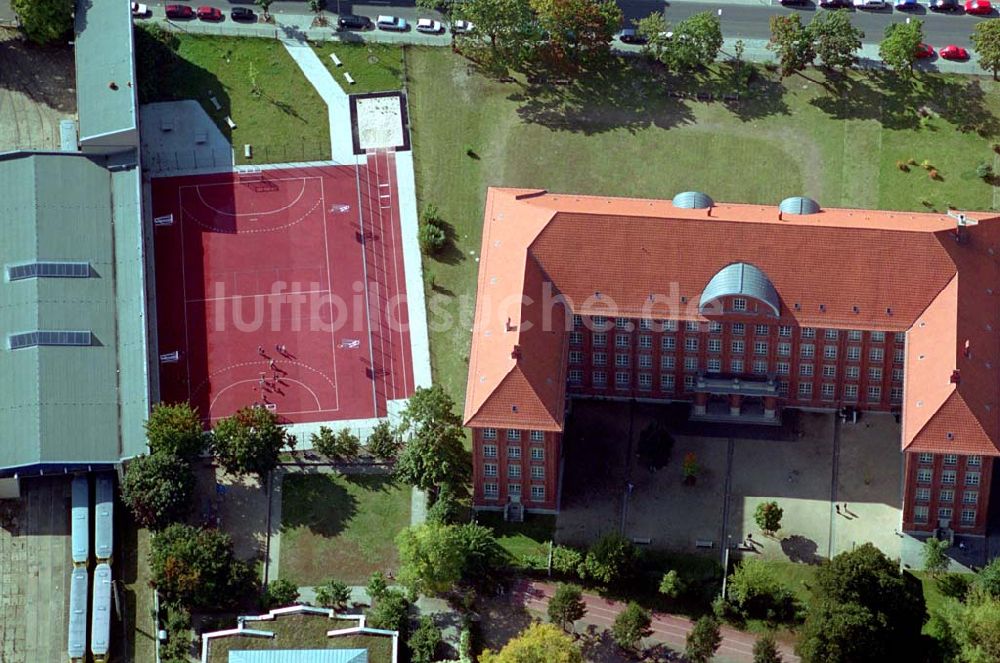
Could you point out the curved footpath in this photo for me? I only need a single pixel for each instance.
(737, 647)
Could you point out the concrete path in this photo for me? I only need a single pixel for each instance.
(737, 646)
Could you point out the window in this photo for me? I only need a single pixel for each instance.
(739, 328)
(489, 433)
(948, 477)
(951, 459)
(851, 392)
(600, 340)
(670, 325)
(622, 360)
(806, 370)
(513, 452)
(736, 366)
(600, 322)
(645, 381)
(667, 382)
(715, 327)
(878, 337)
(668, 363)
(829, 391)
(577, 321)
(808, 332)
(623, 323)
(896, 394)
(714, 365)
(514, 489)
(490, 470)
(785, 331)
(782, 368)
(688, 382)
(739, 304)
(760, 348)
(600, 378)
(37, 338)
(975, 461)
(645, 341)
(875, 373)
(513, 435)
(830, 334)
(761, 330)
(621, 340)
(805, 390)
(690, 363)
(874, 394)
(514, 471)
(876, 354)
(537, 453)
(925, 458)
(537, 471)
(575, 376)
(853, 352)
(537, 436)
(807, 350)
(538, 493)
(575, 338)
(691, 344)
(645, 361)
(715, 345)
(972, 478)
(947, 495)
(490, 450)
(897, 375)
(575, 357)
(944, 513)
(68, 270)
(491, 491)
(897, 355)
(829, 351)
(970, 497)
(854, 335)
(920, 514)
(600, 359)
(760, 367)
(968, 516)
(691, 326)
(783, 388)
(853, 372)
(924, 475)
(645, 324)
(923, 494)
(622, 379)
(737, 347)
(829, 371)
(784, 349)
(668, 343)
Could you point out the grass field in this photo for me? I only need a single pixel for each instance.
(340, 526)
(528, 541)
(374, 67)
(621, 134)
(257, 84)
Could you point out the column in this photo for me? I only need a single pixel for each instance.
(770, 407)
(735, 401)
(700, 402)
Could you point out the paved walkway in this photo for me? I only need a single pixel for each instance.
(737, 647)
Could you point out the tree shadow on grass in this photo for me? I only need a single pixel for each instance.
(317, 503)
(800, 549)
(373, 482)
(449, 254)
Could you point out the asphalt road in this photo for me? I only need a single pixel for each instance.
(740, 18)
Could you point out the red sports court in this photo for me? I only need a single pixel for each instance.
(283, 289)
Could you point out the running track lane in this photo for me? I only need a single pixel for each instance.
(669, 629)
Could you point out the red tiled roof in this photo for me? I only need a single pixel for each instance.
(838, 268)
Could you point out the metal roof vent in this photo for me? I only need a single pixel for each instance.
(799, 205)
(692, 200)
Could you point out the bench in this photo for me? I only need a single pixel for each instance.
(215, 102)
(704, 543)
(336, 60)
(348, 77)
(229, 121)
(247, 151)
(641, 540)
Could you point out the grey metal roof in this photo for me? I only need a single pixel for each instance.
(79, 582)
(799, 205)
(105, 68)
(692, 200)
(100, 618)
(80, 523)
(299, 656)
(104, 505)
(740, 279)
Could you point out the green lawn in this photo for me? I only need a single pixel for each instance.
(374, 67)
(340, 526)
(527, 542)
(621, 134)
(136, 577)
(284, 120)
(302, 632)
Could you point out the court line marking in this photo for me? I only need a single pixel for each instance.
(329, 279)
(398, 266)
(265, 370)
(382, 290)
(364, 267)
(183, 254)
(198, 187)
(214, 228)
(255, 295)
(231, 385)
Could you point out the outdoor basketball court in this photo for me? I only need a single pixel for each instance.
(283, 288)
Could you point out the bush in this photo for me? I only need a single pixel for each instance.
(566, 605)
(157, 489)
(425, 641)
(390, 612)
(756, 591)
(432, 233)
(343, 445)
(334, 594)
(984, 170)
(176, 429)
(566, 561)
(280, 593)
(176, 621)
(671, 584)
(448, 508)
(612, 559)
(383, 443)
(376, 586)
(196, 567)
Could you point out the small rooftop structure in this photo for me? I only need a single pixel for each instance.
(692, 200)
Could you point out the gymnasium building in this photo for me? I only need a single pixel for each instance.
(742, 311)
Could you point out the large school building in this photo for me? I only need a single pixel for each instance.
(740, 310)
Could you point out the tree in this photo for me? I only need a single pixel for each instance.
(988, 579)
(434, 454)
(765, 650)
(566, 560)
(703, 640)
(316, 6)
(671, 584)
(425, 641)
(196, 567)
(376, 586)
(610, 560)
(655, 445)
(580, 31)
(157, 489)
(695, 43)
(986, 43)
(383, 442)
(430, 558)
(280, 593)
(758, 593)
(431, 232)
(175, 428)
(334, 594)
(448, 507)
(44, 21)
(538, 642)
(792, 42)
(690, 468)
(343, 445)
(566, 605)
(505, 27)
(898, 49)
(836, 39)
(973, 628)
(250, 441)
(631, 625)
(391, 612)
(265, 6)
(768, 517)
(936, 560)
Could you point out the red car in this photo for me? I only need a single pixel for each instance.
(179, 11)
(978, 7)
(209, 14)
(925, 51)
(953, 52)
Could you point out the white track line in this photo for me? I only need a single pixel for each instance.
(364, 269)
(183, 253)
(255, 295)
(329, 284)
(232, 185)
(231, 385)
(397, 261)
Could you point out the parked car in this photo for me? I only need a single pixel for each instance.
(179, 11)
(924, 51)
(944, 6)
(795, 3)
(631, 36)
(978, 7)
(139, 10)
(429, 25)
(462, 27)
(870, 5)
(391, 23)
(836, 4)
(953, 52)
(206, 13)
(242, 14)
(353, 22)
(907, 5)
